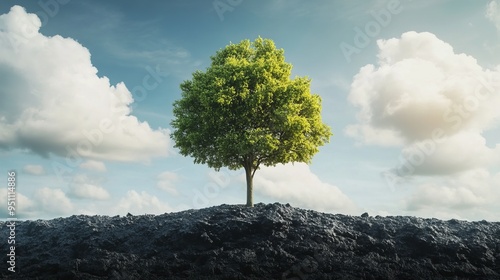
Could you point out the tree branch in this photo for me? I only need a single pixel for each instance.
(255, 169)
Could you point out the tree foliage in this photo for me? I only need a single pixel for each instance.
(246, 111)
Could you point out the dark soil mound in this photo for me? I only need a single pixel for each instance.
(272, 241)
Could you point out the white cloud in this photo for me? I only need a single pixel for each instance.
(53, 102)
(419, 89)
(89, 191)
(460, 152)
(93, 165)
(469, 195)
(297, 185)
(45, 203)
(25, 207)
(166, 182)
(374, 136)
(86, 188)
(52, 202)
(34, 169)
(493, 13)
(141, 203)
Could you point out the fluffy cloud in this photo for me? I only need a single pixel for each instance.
(84, 187)
(89, 191)
(53, 101)
(25, 207)
(493, 13)
(297, 185)
(34, 169)
(464, 196)
(166, 182)
(140, 203)
(93, 165)
(52, 201)
(446, 156)
(45, 203)
(429, 100)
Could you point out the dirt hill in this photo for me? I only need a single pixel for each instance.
(269, 241)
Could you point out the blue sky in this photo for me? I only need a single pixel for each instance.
(411, 90)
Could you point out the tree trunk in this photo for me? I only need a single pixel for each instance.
(249, 177)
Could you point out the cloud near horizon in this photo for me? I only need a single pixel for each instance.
(83, 187)
(464, 196)
(49, 203)
(53, 201)
(139, 203)
(429, 100)
(54, 103)
(297, 185)
(435, 105)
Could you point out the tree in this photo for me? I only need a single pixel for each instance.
(245, 111)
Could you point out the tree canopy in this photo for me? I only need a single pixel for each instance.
(245, 111)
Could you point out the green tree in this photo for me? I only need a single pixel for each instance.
(245, 111)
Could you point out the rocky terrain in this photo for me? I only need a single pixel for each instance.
(269, 241)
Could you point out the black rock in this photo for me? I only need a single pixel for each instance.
(268, 241)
